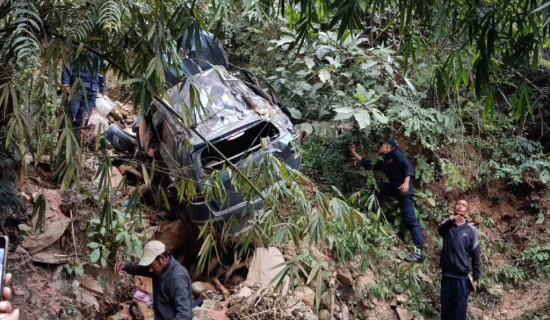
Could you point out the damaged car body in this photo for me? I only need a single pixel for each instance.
(233, 118)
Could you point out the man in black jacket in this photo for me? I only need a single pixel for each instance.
(460, 244)
(172, 298)
(399, 171)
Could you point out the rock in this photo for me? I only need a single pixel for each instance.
(150, 232)
(200, 314)
(345, 312)
(361, 282)
(173, 235)
(116, 114)
(265, 265)
(401, 299)
(306, 295)
(309, 316)
(211, 305)
(92, 285)
(19, 290)
(324, 314)
(25, 227)
(115, 178)
(88, 304)
(57, 272)
(21, 251)
(50, 256)
(26, 197)
(244, 293)
(325, 300)
(403, 313)
(344, 276)
(40, 241)
(198, 287)
(496, 291)
(75, 285)
(70, 202)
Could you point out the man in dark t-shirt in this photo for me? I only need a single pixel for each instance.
(399, 171)
(460, 245)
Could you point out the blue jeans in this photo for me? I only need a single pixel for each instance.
(78, 105)
(454, 298)
(407, 210)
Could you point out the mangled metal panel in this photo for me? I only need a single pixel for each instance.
(222, 103)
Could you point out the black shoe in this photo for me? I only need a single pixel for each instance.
(415, 257)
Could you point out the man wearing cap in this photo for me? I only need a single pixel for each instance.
(399, 171)
(172, 297)
(460, 245)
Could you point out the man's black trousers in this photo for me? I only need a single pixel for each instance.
(407, 209)
(454, 298)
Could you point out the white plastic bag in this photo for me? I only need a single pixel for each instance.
(104, 105)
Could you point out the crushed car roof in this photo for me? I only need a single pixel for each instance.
(222, 103)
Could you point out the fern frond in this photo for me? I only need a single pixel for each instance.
(110, 16)
(82, 31)
(26, 23)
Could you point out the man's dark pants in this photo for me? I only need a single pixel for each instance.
(454, 298)
(79, 105)
(407, 209)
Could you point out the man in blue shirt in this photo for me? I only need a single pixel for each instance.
(399, 171)
(86, 68)
(460, 245)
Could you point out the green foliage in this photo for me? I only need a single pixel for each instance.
(74, 269)
(8, 193)
(454, 175)
(424, 170)
(533, 315)
(507, 274)
(108, 238)
(537, 258)
(327, 159)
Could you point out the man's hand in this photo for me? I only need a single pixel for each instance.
(103, 94)
(404, 188)
(6, 310)
(475, 285)
(458, 220)
(353, 150)
(67, 90)
(119, 266)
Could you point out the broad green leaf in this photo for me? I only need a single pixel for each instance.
(363, 118)
(324, 75)
(94, 256)
(379, 116)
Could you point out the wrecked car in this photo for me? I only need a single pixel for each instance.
(234, 119)
(235, 115)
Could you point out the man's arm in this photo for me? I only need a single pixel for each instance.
(137, 270)
(181, 299)
(445, 225)
(407, 168)
(367, 164)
